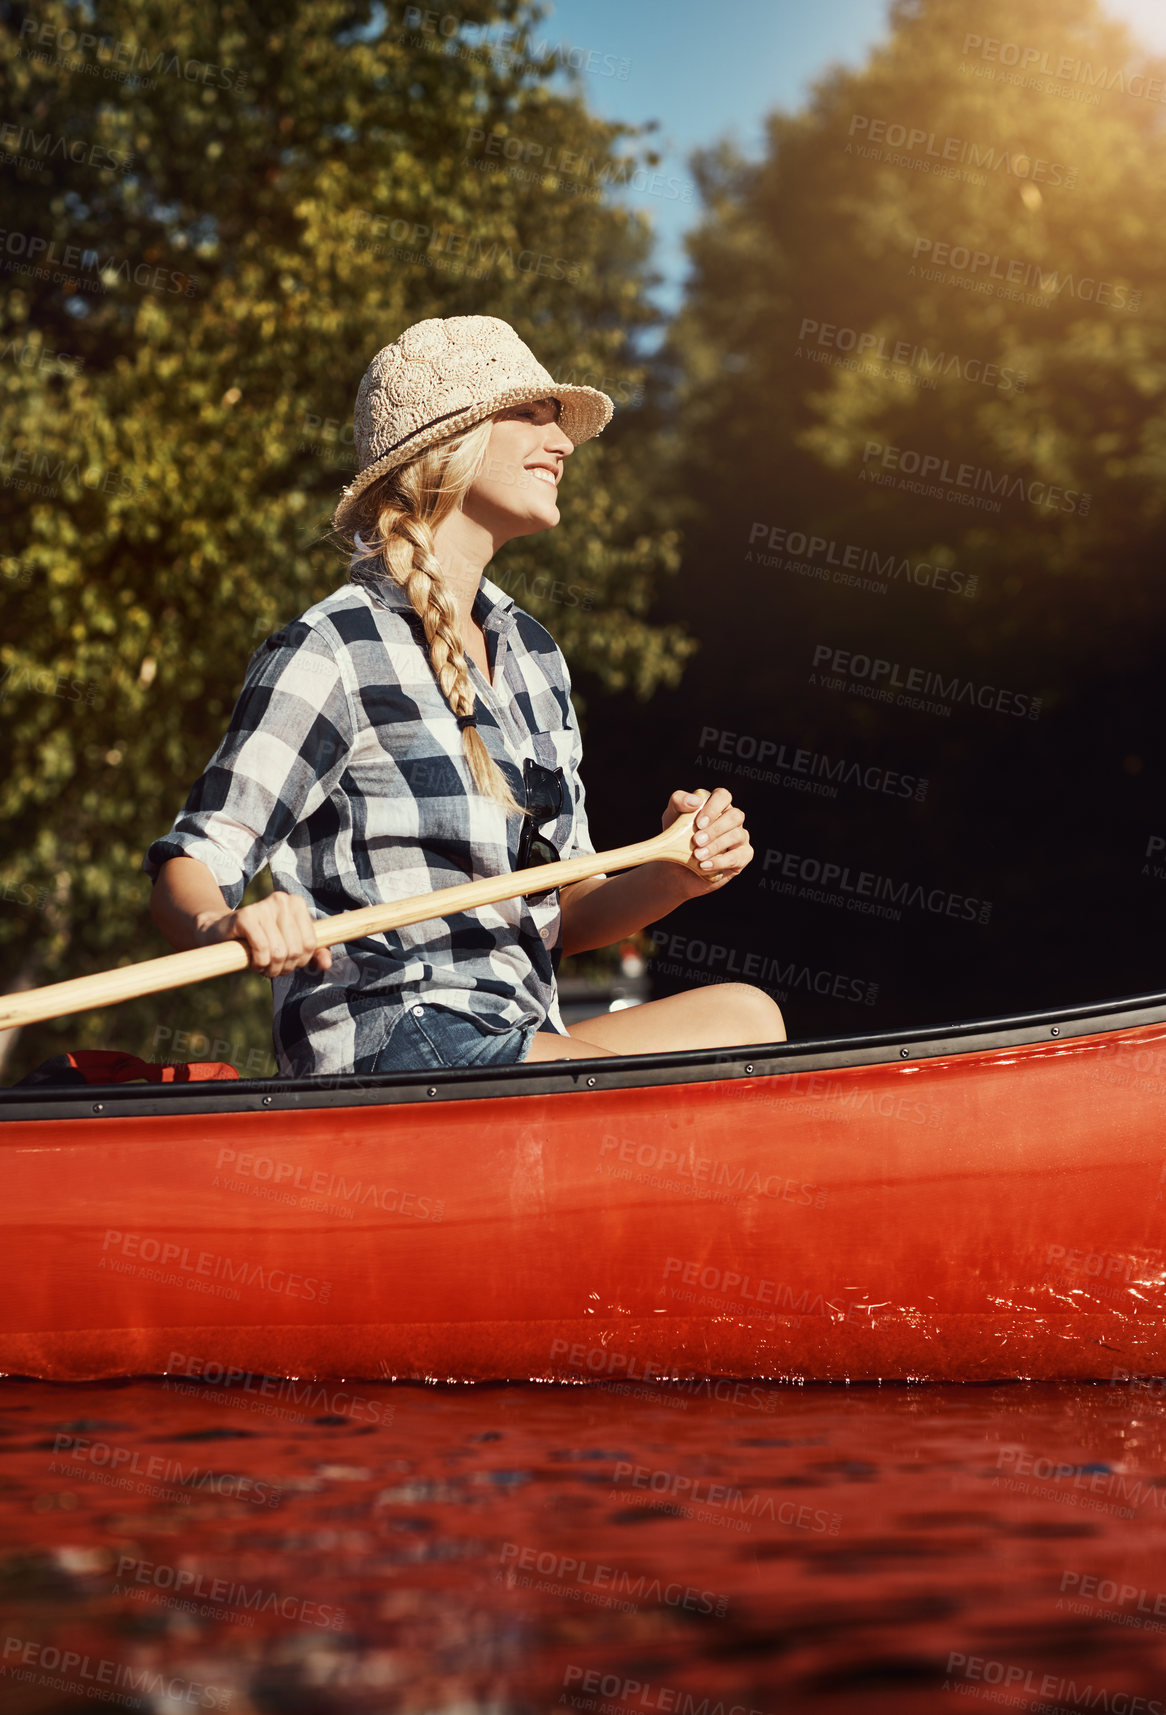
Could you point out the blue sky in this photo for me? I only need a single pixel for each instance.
(708, 69)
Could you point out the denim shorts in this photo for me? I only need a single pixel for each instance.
(426, 1037)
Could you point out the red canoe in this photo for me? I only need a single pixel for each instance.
(971, 1202)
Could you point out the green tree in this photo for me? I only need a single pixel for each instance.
(1047, 199)
(953, 251)
(216, 215)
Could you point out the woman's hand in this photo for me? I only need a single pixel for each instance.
(720, 840)
(599, 912)
(278, 932)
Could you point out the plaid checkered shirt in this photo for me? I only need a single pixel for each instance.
(342, 769)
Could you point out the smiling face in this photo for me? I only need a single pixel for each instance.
(515, 492)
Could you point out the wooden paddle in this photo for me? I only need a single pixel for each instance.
(106, 988)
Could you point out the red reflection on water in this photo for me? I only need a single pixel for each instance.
(687, 1548)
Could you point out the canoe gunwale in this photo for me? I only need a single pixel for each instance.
(555, 1077)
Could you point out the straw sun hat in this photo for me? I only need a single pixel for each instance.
(446, 374)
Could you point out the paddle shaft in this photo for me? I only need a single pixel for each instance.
(198, 964)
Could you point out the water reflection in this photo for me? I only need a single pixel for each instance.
(526, 1548)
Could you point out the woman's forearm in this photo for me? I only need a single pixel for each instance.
(278, 932)
(186, 902)
(599, 912)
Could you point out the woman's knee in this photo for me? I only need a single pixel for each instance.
(756, 1016)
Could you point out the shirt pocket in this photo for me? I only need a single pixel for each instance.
(553, 750)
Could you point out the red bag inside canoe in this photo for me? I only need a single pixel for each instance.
(111, 1066)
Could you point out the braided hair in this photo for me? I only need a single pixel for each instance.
(396, 519)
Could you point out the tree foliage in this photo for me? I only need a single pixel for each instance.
(942, 282)
(216, 215)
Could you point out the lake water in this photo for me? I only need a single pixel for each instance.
(700, 1548)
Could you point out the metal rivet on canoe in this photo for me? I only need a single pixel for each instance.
(432, 1090)
(904, 1053)
(748, 1068)
(267, 1101)
(99, 1107)
(591, 1083)
(1055, 1031)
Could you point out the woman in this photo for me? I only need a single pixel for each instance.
(415, 729)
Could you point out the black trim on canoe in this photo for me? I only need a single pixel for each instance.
(553, 1077)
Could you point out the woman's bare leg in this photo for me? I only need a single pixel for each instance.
(725, 1015)
(548, 1045)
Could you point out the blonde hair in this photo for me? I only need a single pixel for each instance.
(396, 518)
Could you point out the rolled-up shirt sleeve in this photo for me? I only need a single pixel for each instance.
(289, 739)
